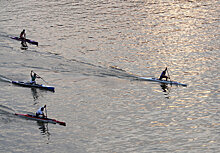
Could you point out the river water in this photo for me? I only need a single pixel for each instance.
(92, 52)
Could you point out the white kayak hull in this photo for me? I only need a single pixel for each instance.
(161, 81)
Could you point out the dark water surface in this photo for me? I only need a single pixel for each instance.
(92, 52)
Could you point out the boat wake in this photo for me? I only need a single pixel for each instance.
(6, 110)
(5, 79)
(6, 114)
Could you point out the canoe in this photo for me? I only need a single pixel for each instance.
(28, 84)
(161, 81)
(46, 120)
(27, 40)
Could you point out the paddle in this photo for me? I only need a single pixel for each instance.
(40, 77)
(169, 76)
(45, 110)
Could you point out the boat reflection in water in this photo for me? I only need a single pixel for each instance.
(166, 90)
(35, 95)
(44, 129)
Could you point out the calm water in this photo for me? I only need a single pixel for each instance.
(92, 52)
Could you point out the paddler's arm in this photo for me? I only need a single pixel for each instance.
(31, 73)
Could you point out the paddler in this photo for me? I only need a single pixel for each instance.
(23, 37)
(23, 34)
(33, 77)
(40, 112)
(163, 75)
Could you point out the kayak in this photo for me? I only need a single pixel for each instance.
(27, 40)
(28, 84)
(46, 120)
(161, 81)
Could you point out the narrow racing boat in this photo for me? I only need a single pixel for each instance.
(41, 119)
(27, 40)
(161, 81)
(28, 84)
